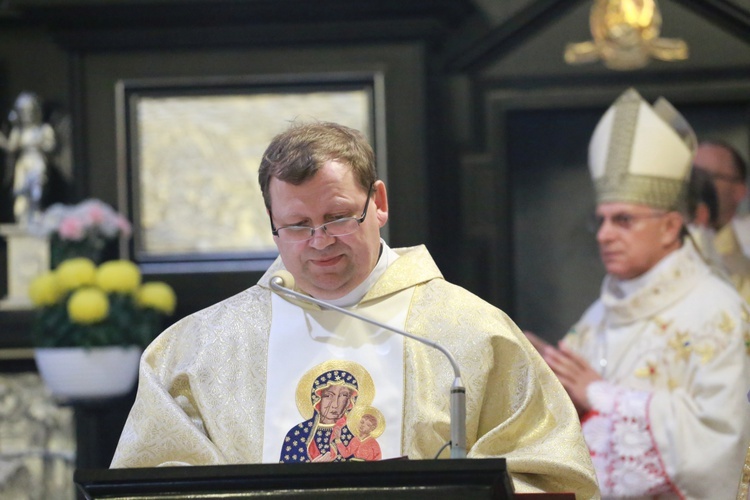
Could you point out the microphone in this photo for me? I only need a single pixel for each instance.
(282, 283)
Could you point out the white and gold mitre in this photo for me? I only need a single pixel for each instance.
(641, 153)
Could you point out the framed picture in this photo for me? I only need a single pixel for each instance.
(188, 156)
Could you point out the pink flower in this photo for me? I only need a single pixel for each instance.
(96, 214)
(71, 229)
(91, 219)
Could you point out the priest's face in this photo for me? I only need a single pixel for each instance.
(325, 266)
(633, 238)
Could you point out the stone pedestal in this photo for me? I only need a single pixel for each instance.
(28, 257)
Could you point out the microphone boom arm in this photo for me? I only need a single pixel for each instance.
(458, 392)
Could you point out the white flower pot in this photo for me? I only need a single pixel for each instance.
(81, 373)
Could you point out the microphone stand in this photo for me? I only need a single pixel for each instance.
(458, 391)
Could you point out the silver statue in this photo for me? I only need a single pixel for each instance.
(28, 144)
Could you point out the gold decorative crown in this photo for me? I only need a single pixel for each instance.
(642, 154)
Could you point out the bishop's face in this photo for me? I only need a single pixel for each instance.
(633, 238)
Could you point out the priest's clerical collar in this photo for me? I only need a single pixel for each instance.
(387, 257)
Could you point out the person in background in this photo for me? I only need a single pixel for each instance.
(226, 384)
(702, 199)
(702, 215)
(728, 170)
(658, 366)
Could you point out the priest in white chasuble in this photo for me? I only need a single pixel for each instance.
(262, 378)
(659, 365)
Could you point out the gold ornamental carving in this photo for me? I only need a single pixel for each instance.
(626, 36)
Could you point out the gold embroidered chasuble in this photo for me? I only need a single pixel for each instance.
(671, 419)
(202, 385)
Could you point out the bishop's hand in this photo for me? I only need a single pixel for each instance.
(574, 372)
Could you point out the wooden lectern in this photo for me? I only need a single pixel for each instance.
(391, 479)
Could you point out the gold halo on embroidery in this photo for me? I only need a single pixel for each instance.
(356, 415)
(365, 393)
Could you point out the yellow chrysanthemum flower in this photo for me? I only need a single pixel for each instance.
(44, 290)
(88, 305)
(121, 276)
(157, 295)
(75, 273)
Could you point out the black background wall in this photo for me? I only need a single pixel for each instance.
(486, 126)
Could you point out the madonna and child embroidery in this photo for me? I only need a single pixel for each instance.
(340, 424)
(323, 367)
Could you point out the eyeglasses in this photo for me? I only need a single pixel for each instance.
(338, 227)
(622, 220)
